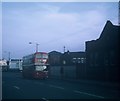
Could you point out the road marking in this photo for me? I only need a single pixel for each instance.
(45, 99)
(16, 87)
(88, 94)
(56, 86)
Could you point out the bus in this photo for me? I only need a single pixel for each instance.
(35, 65)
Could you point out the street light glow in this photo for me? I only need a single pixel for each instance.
(36, 46)
(30, 42)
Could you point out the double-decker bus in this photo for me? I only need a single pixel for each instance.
(35, 65)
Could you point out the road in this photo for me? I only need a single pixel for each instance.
(14, 86)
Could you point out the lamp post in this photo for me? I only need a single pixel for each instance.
(36, 45)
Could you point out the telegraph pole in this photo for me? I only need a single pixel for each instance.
(119, 13)
(9, 56)
(36, 45)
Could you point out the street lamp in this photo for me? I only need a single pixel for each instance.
(36, 45)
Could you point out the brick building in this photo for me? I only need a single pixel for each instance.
(102, 55)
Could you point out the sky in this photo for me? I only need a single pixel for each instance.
(53, 25)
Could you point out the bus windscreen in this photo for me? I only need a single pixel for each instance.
(41, 56)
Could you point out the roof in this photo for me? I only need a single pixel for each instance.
(75, 54)
(55, 52)
(16, 59)
(110, 30)
(40, 53)
(30, 55)
(109, 38)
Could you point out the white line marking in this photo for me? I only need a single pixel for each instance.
(16, 87)
(56, 86)
(88, 94)
(45, 99)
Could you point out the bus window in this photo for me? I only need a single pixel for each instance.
(40, 68)
(41, 56)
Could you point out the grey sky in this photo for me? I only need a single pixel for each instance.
(53, 25)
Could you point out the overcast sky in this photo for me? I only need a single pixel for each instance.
(53, 25)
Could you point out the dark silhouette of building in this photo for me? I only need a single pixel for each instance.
(73, 63)
(71, 58)
(102, 55)
(54, 58)
(67, 58)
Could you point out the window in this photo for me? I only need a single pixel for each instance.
(64, 62)
(40, 68)
(106, 61)
(82, 60)
(112, 58)
(91, 56)
(73, 61)
(41, 56)
(96, 59)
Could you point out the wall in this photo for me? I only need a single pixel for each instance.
(68, 71)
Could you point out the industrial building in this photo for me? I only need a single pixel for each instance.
(102, 55)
